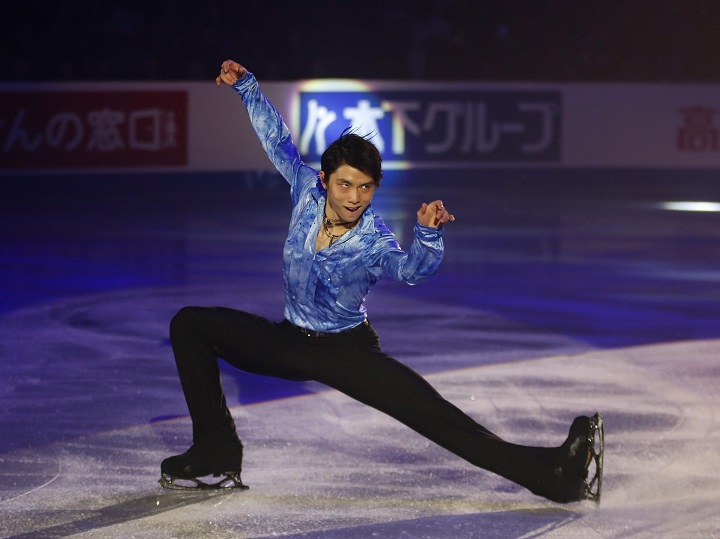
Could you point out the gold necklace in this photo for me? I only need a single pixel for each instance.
(327, 223)
(329, 234)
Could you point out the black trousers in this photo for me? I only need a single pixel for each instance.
(351, 362)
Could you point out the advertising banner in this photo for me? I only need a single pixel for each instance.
(93, 129)
(441, 127)
(197, 126)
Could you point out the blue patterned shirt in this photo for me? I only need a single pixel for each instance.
(325, 290)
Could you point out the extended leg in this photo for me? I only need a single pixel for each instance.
(359, 369)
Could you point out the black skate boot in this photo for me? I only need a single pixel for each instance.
(182, 472)
(581, 452)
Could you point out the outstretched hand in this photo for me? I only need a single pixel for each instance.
(230, 73)
(434, 214)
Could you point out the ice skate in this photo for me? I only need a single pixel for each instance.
(582, 457)
(597, 449)
(184, 472)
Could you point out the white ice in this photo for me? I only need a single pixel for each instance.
(320, 465)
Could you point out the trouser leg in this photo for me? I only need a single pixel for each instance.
(351, 363)
(199, 335)
(360, 370)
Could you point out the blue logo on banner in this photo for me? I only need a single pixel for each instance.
(447, 127)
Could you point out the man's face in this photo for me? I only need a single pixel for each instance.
(349, 192)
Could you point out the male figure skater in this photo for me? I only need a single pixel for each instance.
(336, 248)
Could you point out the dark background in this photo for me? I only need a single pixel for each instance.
(554, 40)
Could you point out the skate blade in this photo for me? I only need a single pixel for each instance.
(597, 451)
(229, 482)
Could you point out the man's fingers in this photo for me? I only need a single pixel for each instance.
(434, 213)
(226, 77)
(230, 73)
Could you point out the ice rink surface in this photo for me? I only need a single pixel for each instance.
(558, 296)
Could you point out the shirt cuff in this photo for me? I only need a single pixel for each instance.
(428, 232)
(242, 84)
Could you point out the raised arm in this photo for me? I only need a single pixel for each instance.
(269, 126)
(425, 253)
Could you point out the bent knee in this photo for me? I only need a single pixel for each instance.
(184, 319)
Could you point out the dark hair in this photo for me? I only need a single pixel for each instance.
(356, 151)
